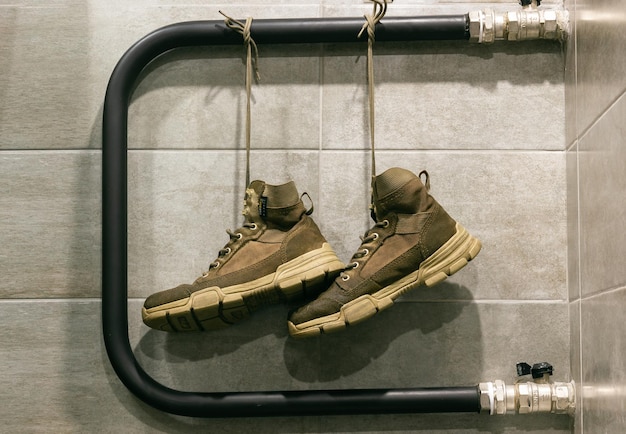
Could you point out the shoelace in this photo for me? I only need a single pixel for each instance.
(251, 63)
(363, 251)
(380, 8)
(234, 237)
(242, 28)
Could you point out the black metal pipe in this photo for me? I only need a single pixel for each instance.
(315, 402)
(114, 227)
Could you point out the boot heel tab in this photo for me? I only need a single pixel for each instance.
(310, 210)
(426, 181)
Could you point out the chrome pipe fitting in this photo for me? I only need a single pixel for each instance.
(524, 24)
(527, 397)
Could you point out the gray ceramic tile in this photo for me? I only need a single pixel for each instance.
(55, 358)
(63, 105)
(201, 92)
(451, 423)
(575, 360)
(401, 5)
(116, 27)
(182, 202)
(60, 379)
(43, 103)
(146, 3)
(603, 373)
(602, 160)
(50, 224)
(573, 228)
(600, 59)
(442, 95)
(352, 8)
(514, 202)
(570, 76)
(446, 95)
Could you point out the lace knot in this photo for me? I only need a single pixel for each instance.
(380, 9)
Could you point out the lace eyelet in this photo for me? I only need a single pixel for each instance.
(374, 236)
(355, 265)
(228, 251)
(253, 227)
(239, 235)
(345, 277)
(385, 223)
(365, 252)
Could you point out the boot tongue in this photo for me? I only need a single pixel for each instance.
(397, 190)
(252, 204)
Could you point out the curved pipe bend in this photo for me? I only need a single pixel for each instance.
(114, 227)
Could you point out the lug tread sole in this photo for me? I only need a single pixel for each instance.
(447, 260)
(215, 308)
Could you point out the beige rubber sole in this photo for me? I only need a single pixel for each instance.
(215, 308)
(447, 260)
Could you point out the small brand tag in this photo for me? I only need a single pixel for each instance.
(263, 206)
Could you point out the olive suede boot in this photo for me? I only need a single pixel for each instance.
(413, 242)
(277, 255)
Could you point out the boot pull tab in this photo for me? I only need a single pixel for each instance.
(310, 210)
(427, 180)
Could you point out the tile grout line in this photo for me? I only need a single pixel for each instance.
(600, 116)
(579, 378)
(601, 293)
(320, 142)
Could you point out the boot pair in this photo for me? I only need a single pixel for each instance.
(279, 254)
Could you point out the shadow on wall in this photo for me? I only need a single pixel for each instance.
(400, 346)
(169, 86)
(201, 65)
(412, 344)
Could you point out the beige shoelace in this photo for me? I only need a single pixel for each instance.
(243, 28)
(380, 8)
(251, 64)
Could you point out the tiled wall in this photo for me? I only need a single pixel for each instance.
(596, 164)
(487, 122)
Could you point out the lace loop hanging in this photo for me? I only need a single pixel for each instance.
(380, 8)
(243, 28)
